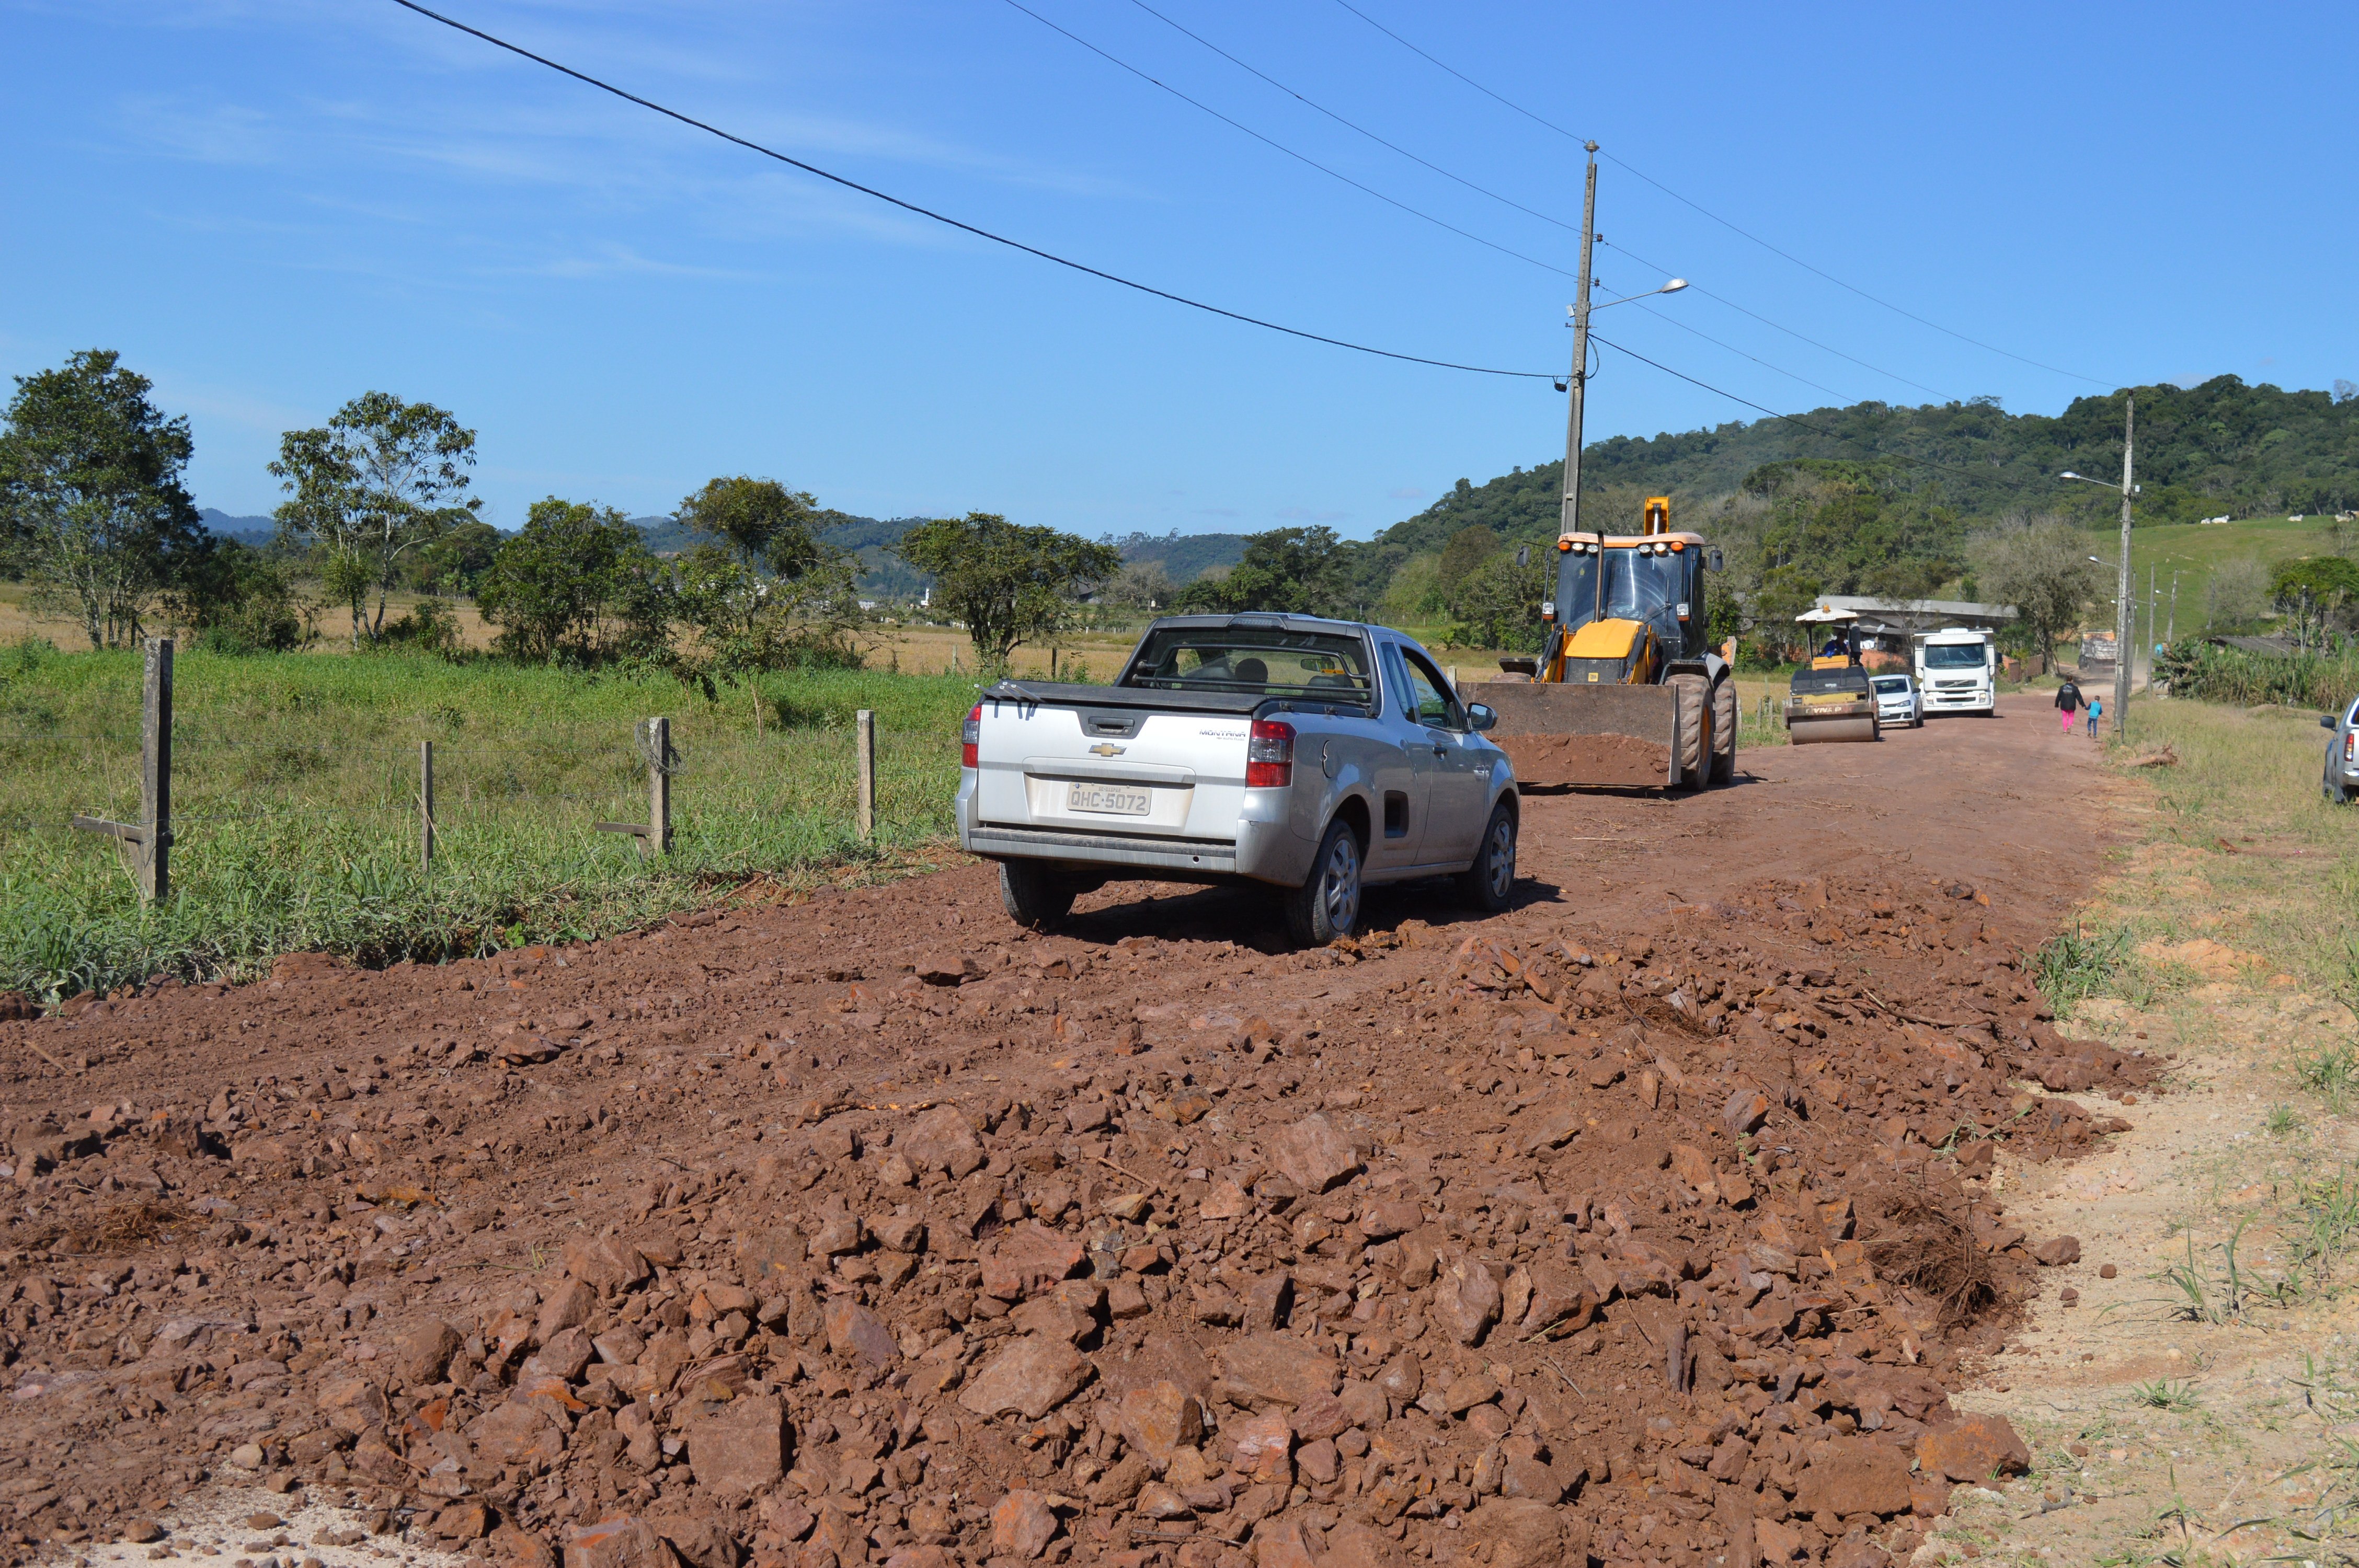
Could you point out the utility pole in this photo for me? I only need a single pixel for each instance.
(2171, 633)
(1578, 381)
(2125, 616)
(2150, 623)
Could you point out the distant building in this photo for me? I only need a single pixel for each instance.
(1887, 623)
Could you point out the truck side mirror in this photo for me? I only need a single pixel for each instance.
(1715, 559)
(2326, 721)
(1480, 716)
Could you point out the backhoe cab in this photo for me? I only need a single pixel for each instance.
(1624, 690)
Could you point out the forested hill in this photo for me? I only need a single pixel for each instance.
(2222, 446)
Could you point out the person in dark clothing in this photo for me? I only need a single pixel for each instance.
(1834, 648)
(2068, 702)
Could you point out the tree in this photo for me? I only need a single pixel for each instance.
(740, 592)
(1468, 548)
(380, 481)
(766, 524)
(2235, 594)
(1498, 604)
(1143, 585)
(1293, 570)
(1009, 582)
(2038, 563)
(460, 554)
(1785, 592)
(2313, 591)
(576, 584)
(238, 600)
(89, 487)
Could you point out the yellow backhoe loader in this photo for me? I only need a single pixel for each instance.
(1624, 692)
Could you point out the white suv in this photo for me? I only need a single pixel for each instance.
(1897, 702)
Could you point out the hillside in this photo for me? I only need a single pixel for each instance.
(2222, 446)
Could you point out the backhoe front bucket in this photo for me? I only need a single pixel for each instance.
(1603, 736)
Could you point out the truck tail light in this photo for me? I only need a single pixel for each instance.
(1269, 755)
(2349, 744)
(970, 736)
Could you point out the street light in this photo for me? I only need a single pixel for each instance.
(1581, 328)
(2122, 630)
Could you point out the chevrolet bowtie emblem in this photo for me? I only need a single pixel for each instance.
(1105, 749)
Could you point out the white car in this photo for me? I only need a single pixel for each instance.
(1898, 702)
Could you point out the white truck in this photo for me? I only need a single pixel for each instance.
(1957, 670)
(1313, 757)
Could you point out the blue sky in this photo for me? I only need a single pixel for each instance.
(269, 206)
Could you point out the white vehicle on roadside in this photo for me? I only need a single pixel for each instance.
(1313, 757)
(1897, 702)
(1957, 670)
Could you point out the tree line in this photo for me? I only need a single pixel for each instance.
(96, 515)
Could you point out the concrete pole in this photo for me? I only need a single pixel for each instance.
(2125, 616)
(1578, 382)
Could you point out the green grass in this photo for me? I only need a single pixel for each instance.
(2194, 552)
(294, 801)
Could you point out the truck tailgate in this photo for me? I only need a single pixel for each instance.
(1127, 771)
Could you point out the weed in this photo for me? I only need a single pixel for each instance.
(2163, 1394)
(2332, 1075)
(2076, 965)
(2222, 1296)
(2283, 1121)
(2323, 1223)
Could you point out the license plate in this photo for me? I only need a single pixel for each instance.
(1119, 800)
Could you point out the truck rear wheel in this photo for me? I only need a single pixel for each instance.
(1695, 728)
(1328, 905)
(1035, 897)
(1724, 732)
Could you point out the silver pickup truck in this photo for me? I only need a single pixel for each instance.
(1315, 757)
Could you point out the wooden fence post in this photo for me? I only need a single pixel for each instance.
(655, 834)
(864, 722)
(145, 845)
(425, 804)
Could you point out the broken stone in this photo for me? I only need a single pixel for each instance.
(1028, 1259)
(1466, 1301)
(1160, 1418)
(626, 1541)
(2058, 1250)
(737, 1445)
(855, 1332)
(1312, 1154)
(1855, 1476)
(1031, 1377)
(1276, 1369)
(567, 1305)
(1975, 1449)
(421, 1353)
(1022, 1526)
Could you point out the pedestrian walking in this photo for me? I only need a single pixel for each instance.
(2068, 702)
(2096, 711)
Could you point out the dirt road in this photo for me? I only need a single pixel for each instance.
(1643, 1222)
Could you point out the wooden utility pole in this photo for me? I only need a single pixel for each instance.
(1578, 382)
(864, 727)
(145, 845)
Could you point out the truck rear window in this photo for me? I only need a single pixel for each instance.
(1264, 661)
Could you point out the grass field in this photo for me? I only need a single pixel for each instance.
(295, 786)
(2194, 552)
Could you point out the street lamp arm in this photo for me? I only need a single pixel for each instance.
(1671, 288)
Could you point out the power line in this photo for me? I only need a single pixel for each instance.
(1723, 222)
(1280, 147)
(1312, 103)
(753, 146)
(1352, 126)
(1789, 331)
(1732, 348)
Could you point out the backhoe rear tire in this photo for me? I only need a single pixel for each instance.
(1695, 728)
(1724, 732)
(1035, 897)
